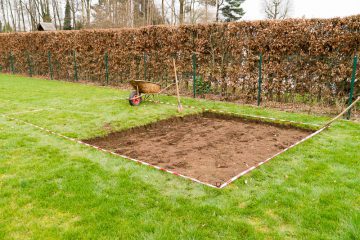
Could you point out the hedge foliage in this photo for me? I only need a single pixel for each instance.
(311, 58)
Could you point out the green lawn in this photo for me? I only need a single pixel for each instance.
(52, 188)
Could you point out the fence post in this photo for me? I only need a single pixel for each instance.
(50, 65)
(194, 73)
(137, 59)
(145, 66)
(107, 68)
(29, 65)
(260, 80)
(5, 60)
(12, 68)
(352, 85)
(57, 64)
(75, 67)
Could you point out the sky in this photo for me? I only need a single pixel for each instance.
(307, 8)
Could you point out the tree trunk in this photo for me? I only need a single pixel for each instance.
(181, 11)
(22, 15)
(163, 11)
(173, 17)
(73, 11)
(88, 12)
(206, 11)
(57, 13)
(3, 11)
(12, 16)
(217, 10)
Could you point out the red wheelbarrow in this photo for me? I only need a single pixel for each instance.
(148, 89)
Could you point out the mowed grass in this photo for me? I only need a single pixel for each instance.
(52, 188)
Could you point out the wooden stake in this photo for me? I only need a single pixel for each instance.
(180, 108)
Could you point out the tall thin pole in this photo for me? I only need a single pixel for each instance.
(50, 65)
(352, 84)
(260, 80)
(75, 67)
(145, 67)
(180, 108)
(29, 65)
(12, 63)
(194, 73)
(107, 68)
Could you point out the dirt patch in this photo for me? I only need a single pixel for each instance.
(209, 147)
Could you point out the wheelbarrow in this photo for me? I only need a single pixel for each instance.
(149, 89)
(146, 88)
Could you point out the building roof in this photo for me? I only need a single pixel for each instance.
(46, 26)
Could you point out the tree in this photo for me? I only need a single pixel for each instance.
(181, 11)
(232, 10)
(24, 15)
(277, 9)
(218, 5)
(7, 28)
(67, 19)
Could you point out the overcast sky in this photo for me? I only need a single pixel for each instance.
(307, 8)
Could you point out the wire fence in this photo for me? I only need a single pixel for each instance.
(287, 79)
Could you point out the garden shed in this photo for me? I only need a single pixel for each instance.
(46, 26)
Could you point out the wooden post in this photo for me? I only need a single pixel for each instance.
(180, 108)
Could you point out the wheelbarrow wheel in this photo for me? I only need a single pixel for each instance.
(135, 99)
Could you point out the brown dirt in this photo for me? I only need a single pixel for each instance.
(209, 147)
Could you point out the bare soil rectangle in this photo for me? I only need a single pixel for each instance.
(209, 147)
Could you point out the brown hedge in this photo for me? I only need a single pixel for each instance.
(309, 58)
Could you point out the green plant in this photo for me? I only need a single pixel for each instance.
(202, 87)
(67, 18)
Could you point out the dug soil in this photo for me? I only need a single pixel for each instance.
(210, 147)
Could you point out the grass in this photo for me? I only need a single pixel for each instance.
(51, 188)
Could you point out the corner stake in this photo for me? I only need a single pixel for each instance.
(180, 108)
